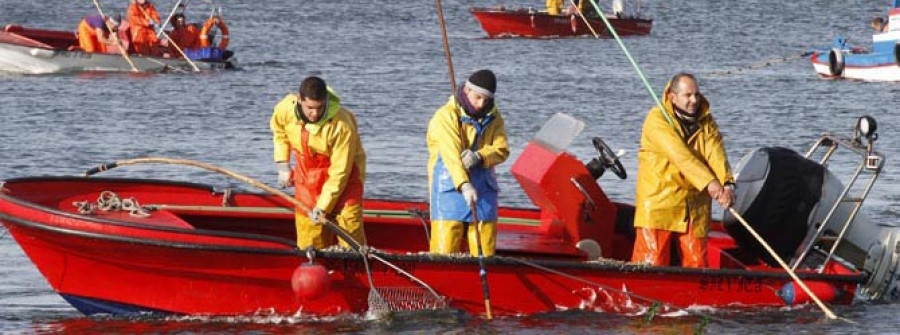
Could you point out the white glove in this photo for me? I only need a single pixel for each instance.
(470, 159)
(317, 216)
(468, 193)
(284, 175)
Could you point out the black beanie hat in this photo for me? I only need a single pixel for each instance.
(485, 80)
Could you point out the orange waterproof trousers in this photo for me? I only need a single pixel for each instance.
(144, 40)
(653, 246)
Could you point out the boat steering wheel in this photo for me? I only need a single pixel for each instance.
(607, 158)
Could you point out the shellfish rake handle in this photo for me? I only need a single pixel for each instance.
(482, 270)
(825, 309)
(343, 234)
(101, 168)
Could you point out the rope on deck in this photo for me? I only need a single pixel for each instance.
(109, 201)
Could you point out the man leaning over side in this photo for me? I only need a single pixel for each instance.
(330, 162)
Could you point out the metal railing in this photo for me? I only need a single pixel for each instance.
(872, 163)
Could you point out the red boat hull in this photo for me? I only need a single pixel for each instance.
(529, 23)
(195, 256)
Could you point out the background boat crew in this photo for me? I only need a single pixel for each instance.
(330, 163)
(185, 35)
(466, 140)
(554, 7)
(93, 33)
(143, 19)
(618, 8)
(682, 166)
(879, 25)
(580, 7)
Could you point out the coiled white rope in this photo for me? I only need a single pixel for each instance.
(109, 201)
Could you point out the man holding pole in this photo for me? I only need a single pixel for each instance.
(330, 164)
(184, 35)
(682, 167)
(466, 139)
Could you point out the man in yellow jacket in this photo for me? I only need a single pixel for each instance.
(682, 166)
(330, 163)
(466, 139)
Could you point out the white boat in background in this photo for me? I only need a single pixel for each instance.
(39, 51)
(881, 64)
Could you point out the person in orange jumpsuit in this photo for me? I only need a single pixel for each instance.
(330, 162)
(185, 35)
(143, 18)
(93, 32)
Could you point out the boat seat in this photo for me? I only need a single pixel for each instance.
(161, 218)
(528, 243)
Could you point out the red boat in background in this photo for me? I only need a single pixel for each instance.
(527, 22)
(171, 248)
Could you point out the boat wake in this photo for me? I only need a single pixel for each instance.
(15, 62)
(273, 64)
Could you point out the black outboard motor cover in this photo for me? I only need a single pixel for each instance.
(776, 190)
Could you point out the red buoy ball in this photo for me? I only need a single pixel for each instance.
(310, 281)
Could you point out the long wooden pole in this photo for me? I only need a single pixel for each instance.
(440, 12)
(784, 265)
(171, 41)
(165, 23)
(147, 16)
(482, 270)
(297, 204)
(115, 36)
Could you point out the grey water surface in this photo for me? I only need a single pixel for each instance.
(386, 60)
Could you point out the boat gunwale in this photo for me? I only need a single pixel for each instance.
(425, 257)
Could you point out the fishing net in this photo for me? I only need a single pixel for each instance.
(385, 299)
(404, 298)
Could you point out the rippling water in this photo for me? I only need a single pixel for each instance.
(386, 61)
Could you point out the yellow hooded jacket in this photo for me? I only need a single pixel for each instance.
(334, 135)
(444, 141)
(554, 7)
(673, 172)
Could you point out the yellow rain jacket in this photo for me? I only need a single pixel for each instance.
(554, 7)
(673, 171)
(446, 174)
(334, 135)
(444, 141)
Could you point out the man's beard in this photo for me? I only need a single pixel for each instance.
(684, 115)
(691, 113)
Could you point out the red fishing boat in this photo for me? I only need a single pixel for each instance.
(172, 248)
(527, 22)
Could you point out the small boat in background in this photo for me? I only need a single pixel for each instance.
(881, 64)
(26, 50)
(531, 23)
